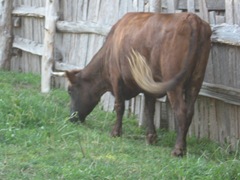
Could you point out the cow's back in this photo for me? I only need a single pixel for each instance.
(145, 31)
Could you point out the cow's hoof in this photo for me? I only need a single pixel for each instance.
(115, 133)
(178, 152)
(151, 138)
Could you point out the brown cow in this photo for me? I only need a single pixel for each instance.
(156, 54)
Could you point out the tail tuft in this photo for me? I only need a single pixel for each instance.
(143, 76)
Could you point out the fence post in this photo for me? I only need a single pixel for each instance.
(51, 17)
(5, 33)
(203, 10)
(171, 5)
(155, 5)
(229, 11)
(236, 12)
(191, 6)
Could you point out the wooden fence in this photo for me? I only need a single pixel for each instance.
(51, 36)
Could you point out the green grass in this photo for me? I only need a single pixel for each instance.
(37, 142)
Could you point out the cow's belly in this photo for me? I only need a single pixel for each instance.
(129, 93)
(133, 91)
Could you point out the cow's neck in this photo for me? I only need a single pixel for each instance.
(96, 74)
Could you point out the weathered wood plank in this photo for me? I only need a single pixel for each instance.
(135, 5)
(212, 17)
(28, 46)
(229, 11)
(81, 42)
(171, 5)
(212, 123)
(203, 10)
(217, 55)
(157, 6)
(15, 63)
(29, 11)
(224, 119)
(196, 119)
(51, 17)
(227, 34)
(142, 117)
(108, 101)
(191, 6)
(5, 33)
(237, 67)
(230, 66)
(238, 123)
(209, 74)
(220, 19)
(171, 117)
(203, 118)
(82, 27)
(220, 92)
(123, 8)
(157, 115)
(236, 12)
(211, 4)
(146, 6)
(93, 39)
(234, 138)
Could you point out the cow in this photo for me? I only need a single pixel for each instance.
(151, 53)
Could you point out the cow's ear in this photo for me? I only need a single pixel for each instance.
(71, 76)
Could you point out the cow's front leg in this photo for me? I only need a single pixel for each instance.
(119, 108)
(149, 110)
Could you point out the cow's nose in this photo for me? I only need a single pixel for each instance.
(74, 117)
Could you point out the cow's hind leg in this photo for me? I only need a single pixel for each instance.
(149, 110)
(183, 107)
(179, 107)
(183, 104)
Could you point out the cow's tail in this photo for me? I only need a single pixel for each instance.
(143, 75)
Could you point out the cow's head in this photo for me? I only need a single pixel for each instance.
(83, 99)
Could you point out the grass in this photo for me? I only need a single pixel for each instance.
(37, 142)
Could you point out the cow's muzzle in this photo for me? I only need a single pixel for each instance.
(74, 117)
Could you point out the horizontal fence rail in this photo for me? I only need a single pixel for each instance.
(82, 27)
(222, 93)
(226, 34)
(38, 12)
(28, 46)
